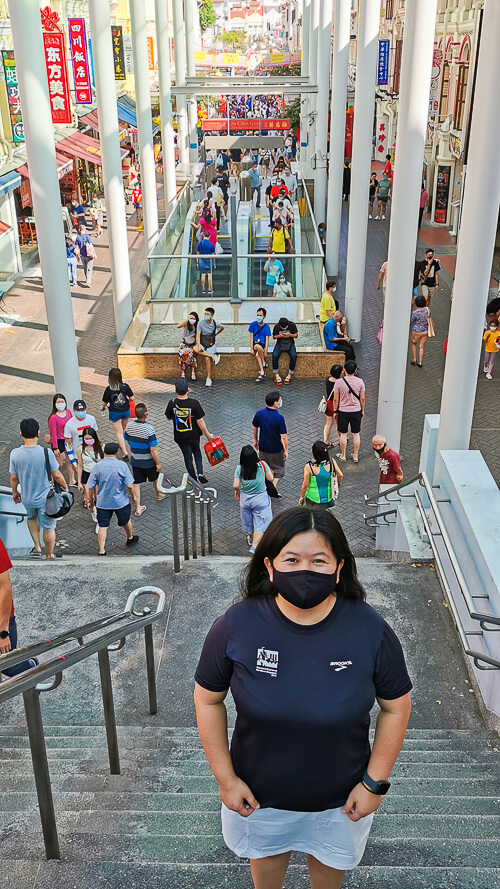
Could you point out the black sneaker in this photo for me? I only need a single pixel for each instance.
(203, 479)
(133, 540)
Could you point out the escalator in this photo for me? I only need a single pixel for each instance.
(259, 244)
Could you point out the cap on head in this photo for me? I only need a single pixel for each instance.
(111, 448)
(79, 405)
(181, 386)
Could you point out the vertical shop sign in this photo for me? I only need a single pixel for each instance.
(383, 62)
(118, 52)
(151, 54)
(129, 56)
(57, 72)
(16, 118)
(80, 59)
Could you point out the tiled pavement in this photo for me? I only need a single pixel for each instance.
(26, 386)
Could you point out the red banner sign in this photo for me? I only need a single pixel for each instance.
(220, 125)
(57, 73)
(79, 57)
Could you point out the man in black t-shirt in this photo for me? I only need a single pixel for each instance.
(187, 415)
(429, 275)
(285, 333)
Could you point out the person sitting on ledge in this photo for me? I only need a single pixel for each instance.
(285, 333)
(335, 337)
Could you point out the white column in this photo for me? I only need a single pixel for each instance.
(364, 105)
(416, 64)
(104, 72)
(341, 39)
(313, 77)
(477, 238)
(304, 99)
(190, 13)
(165, 88)
(144, 121)
(324, 61)
(39, 133)
(180, 80)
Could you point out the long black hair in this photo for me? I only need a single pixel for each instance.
(248, 461)
(299, 519)
(194, 326)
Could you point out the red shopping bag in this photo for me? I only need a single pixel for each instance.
(131, 404)
(216, 451)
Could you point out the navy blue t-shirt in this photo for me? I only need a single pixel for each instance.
(303, 696)
(272, 426)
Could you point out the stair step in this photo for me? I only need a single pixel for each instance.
(81, 847)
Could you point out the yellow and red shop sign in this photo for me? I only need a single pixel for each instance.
(151, 54)
(57, 72)
(220, 125)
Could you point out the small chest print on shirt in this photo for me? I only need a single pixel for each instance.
(340, 665)
(267, 661)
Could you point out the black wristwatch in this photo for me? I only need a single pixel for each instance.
(4, 634)
(379, 788)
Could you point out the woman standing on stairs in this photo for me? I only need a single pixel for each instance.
(304, 657)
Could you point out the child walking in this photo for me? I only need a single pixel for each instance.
(491, 339)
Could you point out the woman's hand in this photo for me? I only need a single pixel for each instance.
(237, 796)
(360, 803)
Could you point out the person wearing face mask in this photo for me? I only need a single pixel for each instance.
(322, 479)
(89, 453)
(285, 333)
(259, 340)
(187, 356)
(73, 431)
(491, 339)
(389, 462)
(304, 657)
(270, 435)
(206, 332)
(283, 288)
(58, 418)
(328, 305)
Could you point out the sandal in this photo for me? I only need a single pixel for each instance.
(35, 553)
(142, 509)
(287, 382)
(260, 378)
(193, 375)
(278, 381)
(355, 459)
(341, 458)
(414, 363)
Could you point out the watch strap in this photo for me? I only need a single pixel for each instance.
(377, 787)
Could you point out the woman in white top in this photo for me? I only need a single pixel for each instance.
(88, 454)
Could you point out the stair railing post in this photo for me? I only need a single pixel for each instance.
(31, 699)
(202, 526)
(150, 666)
(109, 711)
(193, 526)
(175, 533)
(185, 526)
(209, 527)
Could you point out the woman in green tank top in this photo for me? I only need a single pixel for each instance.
(322, 479)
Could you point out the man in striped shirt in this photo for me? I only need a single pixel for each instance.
(144, 461)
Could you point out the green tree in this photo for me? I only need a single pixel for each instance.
(292, 112)
(207, 15)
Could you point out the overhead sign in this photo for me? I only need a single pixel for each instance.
(55, 63)
(16, 118)
(230, 58)
(383, 62)
(220, 125)
(118, 52)
(151, 54)
(277, 58)
(80, 59)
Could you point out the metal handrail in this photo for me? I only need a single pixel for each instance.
(373, 499)
(206, 497)
(47, 677)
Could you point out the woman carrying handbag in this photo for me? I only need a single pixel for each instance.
(326, 404)
(322, 479)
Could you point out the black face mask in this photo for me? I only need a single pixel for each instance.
(304, 589)
(379, 450)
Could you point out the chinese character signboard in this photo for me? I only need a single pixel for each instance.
(151, 54)
(220, 124)
(118, 52)
(383, 62)
(16, 119)
(57, 72)
(80, 59)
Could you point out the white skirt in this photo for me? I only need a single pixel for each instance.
(329, 836)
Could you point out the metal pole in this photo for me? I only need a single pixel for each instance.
(102, 54)
(313, 78)
(416, 66)
(144, 122)
(369, 13)
(341, 40)
(165, 87)
(109, 711)
(304, 99)
(185, 526)
(209, 527)
(202, 526)
(180, 79)
(235, 299)
(175, 533)
(324, 60)
(477, 238)
(150, 668)
(39, 134)
(41, 772)
(190, 11)
(193, 526)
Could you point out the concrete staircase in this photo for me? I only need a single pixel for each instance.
(158, 825)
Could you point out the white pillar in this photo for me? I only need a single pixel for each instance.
(341, 39)
(324, 61)
(313, 77)
(304, 99)
(477, 238)
(144, 121)
(165, 88)
(364, 105)
(416, 65)
(180, 80)
(39, 133)
(104, 72)
(190, 13)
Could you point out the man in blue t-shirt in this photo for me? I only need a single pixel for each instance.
(335, 339)
(270, 437)
(259, 341)
(205, 248)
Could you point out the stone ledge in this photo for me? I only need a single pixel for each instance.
(241, 365)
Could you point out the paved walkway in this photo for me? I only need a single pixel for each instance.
(26, 387)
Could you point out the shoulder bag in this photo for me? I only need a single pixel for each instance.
(58, 502)
(322, 406)
(431, 330)
(270, 486)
